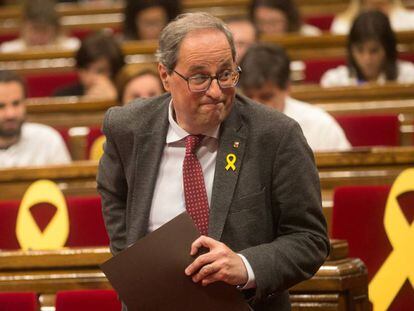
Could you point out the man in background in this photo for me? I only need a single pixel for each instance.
(23, 143)
(266, 79)
(244, 34)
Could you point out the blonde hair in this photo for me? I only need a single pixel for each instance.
(355, 7)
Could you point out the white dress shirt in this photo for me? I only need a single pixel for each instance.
(168, 200)
(38, 145)
(321, 130)
(340, 76)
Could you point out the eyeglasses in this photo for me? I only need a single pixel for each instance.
(201, 83)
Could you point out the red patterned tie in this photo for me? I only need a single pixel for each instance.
(194, 188)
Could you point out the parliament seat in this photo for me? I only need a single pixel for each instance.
(315, 68)
(358, 216)
(18, 301)
(44, 84)
(87, 300)
(370, 130)
(86, 226)
(322, 21)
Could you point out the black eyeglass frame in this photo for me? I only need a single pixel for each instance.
(211, 78)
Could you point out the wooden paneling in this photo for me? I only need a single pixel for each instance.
(341, 281)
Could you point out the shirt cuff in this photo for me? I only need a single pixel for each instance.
(251, 281)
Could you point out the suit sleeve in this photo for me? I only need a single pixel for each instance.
(301, 243)
(112, 187)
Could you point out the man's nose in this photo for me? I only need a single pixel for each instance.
(10, 112)
(214, 91)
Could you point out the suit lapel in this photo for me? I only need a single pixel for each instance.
(150, 146)
(232, 141)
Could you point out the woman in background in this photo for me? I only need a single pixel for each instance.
(144, 19)
(138, 81)
(372, 55)
(401, 19)
(279, 17)
(98, 61)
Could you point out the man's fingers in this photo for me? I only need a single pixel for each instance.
(202, 241)
(199, 263)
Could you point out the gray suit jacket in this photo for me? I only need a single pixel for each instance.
(268, 209)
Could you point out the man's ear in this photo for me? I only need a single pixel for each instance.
(164, 76)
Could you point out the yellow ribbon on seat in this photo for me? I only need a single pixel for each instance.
(96, 151)
(399, 265)
(56, 232)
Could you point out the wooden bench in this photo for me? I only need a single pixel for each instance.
(367, 166)
(340, 284)
(298, 47)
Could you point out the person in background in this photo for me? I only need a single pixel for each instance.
(145, 19)
(23, 143)
(138, 81)
(266, 79)
(98, 61)
(401, 19)
(244, 34)
(372, 55)
(279, 17)
(40, 28)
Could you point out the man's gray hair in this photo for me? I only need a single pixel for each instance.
(174, 33)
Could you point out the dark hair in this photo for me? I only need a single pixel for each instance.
(264, 62)
(133, 7)
(7, 76)
(41, 11)
(100, 45)
(288, 7)
(373, 25)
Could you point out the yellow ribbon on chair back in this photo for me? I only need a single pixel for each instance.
(399, 266)
(56, 232)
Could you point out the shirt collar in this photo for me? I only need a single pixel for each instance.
(176, 133)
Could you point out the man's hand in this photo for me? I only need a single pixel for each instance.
(219, 264)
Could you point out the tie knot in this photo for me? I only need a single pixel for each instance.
(192, 142)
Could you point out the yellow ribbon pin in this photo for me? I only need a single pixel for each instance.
(57, 231)
(231, 160)
(389, 279)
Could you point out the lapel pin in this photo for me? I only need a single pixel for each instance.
(231, 160)
(236, 144)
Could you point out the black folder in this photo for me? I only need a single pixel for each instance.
(149, 275)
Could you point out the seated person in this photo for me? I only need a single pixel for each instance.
(40, 28)
(401, 19)
(372, 55)
(23, 143)
(279, 17)
(266, 79)
(138, 81)
(98, 61)
(145, 19)
(244, 35)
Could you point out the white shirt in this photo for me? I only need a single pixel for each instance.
(168, 200)
(310, 30)
(401, 20)
(38, 145)
(18, 45)
(321, 130)
(340, 76)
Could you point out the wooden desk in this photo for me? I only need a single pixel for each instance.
(340, 284)
(370, 92)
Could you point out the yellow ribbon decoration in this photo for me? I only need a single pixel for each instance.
(231, 160)
(399, 265)
(56, 232)
(96, 151)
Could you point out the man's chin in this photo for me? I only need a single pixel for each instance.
(10, 133)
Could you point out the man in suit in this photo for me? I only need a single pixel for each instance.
(266, 231)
